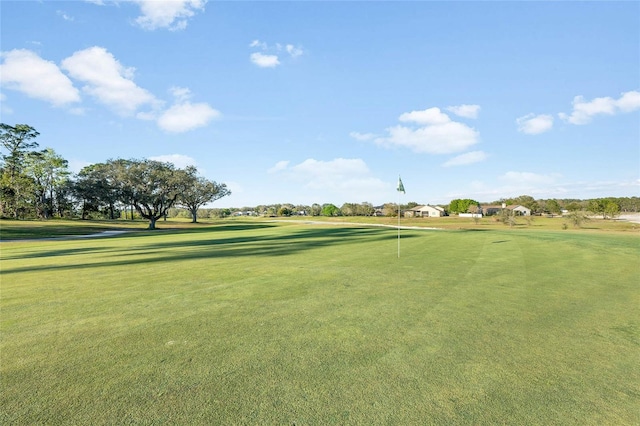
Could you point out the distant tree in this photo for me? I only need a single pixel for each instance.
(577, 218)
(349, 209)
(366, 209)
(330, 210)
(573, 206)
(526, 201)
(316, 209)
(611, 209)
(410, 205)
(553, 207)
(98, 188)
(199, 191)
(390, 209)
(508, 217)
(462, 205)
(607, 207)
(285, 211)
(151, 186)
(49, 173)
(16, 141)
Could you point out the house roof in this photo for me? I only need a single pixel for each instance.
(509, 207)
(425, 208)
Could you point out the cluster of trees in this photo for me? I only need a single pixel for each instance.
(464, 205)
(606, 207)
(39, 184)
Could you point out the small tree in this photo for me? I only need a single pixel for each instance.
(611, 209)
(553, 207)
(577, 218)
(199, 191)
(330, 210)
(508, 217)
(284, 211)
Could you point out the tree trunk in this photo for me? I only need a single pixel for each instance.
(194, 215)
(152, 223)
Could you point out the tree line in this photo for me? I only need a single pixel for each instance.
(39, 184)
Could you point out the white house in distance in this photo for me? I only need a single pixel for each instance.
(516, 208)
(425, 211)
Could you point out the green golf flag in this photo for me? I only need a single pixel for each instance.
(400, 186)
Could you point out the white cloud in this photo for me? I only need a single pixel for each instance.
(179, 160)
(294, 51)
(279, 166)
(181, 94)
(108, 81)
(435, 133)
(532, 124)
(428, 116)
(272, 54)
(64, 16)
(467, 158)
(26, 72)
(466, 111)
(186, 116)
(340, 178)
(629, 101)
(362, 136)
(444, 138)
(258, 43)
(343, 167)
(170, 14)
(265, 61)
(584, 111)
(529, 178)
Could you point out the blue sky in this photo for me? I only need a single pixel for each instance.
(328, 102)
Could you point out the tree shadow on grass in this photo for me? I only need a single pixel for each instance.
(269, 245)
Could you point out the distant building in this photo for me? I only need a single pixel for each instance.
(496, 209)
(425, 211)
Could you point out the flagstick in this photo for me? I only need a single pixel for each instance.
(398, 224)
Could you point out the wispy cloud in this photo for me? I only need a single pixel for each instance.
(271, 55)
(173, 15)
(179, 160)
(584, 111)
(362, 136)
(532, 124)
(64, 15)
(26, 72)
(466, 111)
(279, 166)
(529, 177)
(340, 178)
(467, 158)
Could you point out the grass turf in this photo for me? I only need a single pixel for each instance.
(264, 323)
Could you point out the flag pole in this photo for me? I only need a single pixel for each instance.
(398, 224)
(400, 188)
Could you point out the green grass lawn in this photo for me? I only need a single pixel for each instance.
(290, 323)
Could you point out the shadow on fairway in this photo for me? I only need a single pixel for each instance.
(272, 245)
